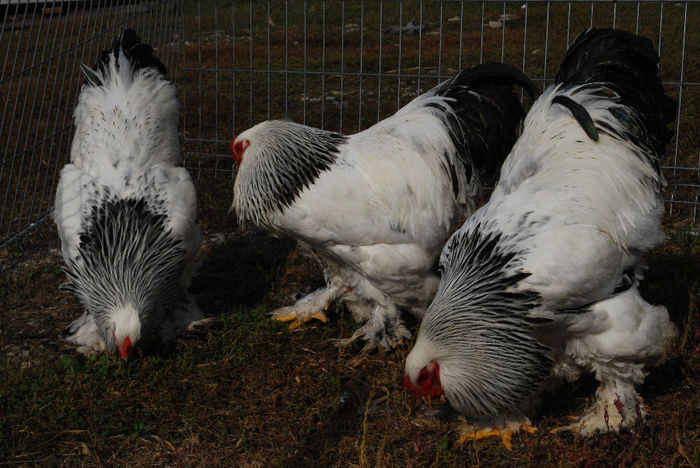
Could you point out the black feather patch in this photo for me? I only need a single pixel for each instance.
(580, 114)
(485, 117)
(629, 276)
(140, 55)
(627, 64)
(92, 78)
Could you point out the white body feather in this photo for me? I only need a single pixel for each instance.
(592, 207)
(397, 207)
(377, 218)
(377, 206)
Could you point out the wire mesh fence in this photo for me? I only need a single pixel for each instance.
(340, 65)
(42, 45)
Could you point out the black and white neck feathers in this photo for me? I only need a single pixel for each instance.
(127, 258)
(283, 159)
(480, 329)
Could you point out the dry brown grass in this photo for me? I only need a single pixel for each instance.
(249, 392)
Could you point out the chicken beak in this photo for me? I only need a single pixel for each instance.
(125, 349)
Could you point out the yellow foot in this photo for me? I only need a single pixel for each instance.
(505, 433)
(309, 307)
(297, 320)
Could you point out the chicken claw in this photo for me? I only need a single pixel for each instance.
(309, 307)
(296, 320)
(476, 431)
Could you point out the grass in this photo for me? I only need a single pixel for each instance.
(249, 392)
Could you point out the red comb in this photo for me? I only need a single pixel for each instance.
(230, 147)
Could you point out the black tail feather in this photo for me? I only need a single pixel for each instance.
(628, 64)
(580, 113)
(486, 126)
(139, 54)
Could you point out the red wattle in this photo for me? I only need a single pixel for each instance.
(433, 387)
(409, 386)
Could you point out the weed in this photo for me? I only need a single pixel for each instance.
(139, 429)
(68, 363)
(52, 270)
(444, 443)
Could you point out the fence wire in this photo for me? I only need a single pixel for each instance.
(41, 48)
(344, 65)
(340, 65)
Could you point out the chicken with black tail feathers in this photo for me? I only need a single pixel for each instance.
(376, 207)
(542, 281)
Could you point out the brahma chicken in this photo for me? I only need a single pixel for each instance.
(376, 207)
(542, 281)
(124, 211)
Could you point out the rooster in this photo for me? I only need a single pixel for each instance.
(376, 207)
(542, 281)
(125, 212)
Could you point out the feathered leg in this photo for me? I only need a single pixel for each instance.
(634, 335)
(315, 304)
(384, 330)
(83, 332)
(312, 306)
(618, 406)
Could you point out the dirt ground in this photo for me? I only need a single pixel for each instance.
(250, 392)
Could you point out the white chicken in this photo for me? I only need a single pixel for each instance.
(376, 207)
(124, 212)
(542, 280)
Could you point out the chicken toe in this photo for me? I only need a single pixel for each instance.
(310, 307)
